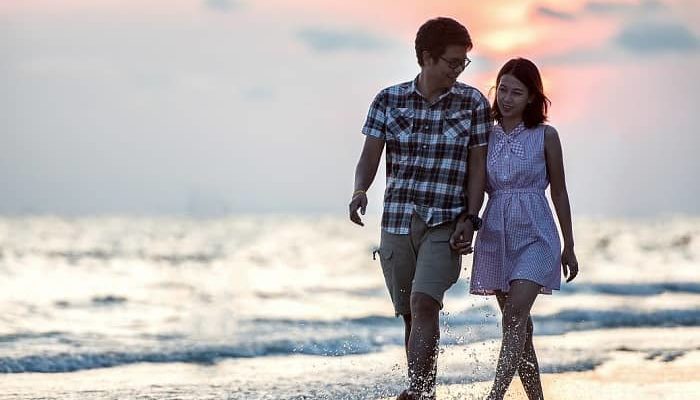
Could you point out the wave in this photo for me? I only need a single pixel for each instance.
(70, 362)
(634, 289)
(76, 256)
(95, 301)
(15, 337)
(270, 337)
(370, 320)
(585, 319)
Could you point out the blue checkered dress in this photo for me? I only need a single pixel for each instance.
(426, 150)
(518, 239)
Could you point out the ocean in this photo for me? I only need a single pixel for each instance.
(292, 307)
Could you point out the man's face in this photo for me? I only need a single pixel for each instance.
(441, 70)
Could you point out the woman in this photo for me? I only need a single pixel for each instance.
(517, 251)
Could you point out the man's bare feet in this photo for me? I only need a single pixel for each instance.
(411, 395)
(408, 395)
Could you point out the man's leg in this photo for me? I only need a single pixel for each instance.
(423, 330)
(398, 259)
(437, 269)
(516, 312)
(528, 367)
(407, 331)
(423, 342)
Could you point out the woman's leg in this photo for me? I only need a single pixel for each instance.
(516, 312)
(528, 367)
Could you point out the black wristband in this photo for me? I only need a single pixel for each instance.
(475, 220)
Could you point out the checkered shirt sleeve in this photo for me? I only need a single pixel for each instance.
(482, 123)
(375, 124)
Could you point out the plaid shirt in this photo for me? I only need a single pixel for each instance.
(426, 150)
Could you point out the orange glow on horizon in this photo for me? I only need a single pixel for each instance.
(508, 41)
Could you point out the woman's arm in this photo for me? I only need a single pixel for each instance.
(560, 198)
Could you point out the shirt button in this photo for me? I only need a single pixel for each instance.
(426, 128)
(425, 146)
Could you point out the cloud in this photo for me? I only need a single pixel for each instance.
(580, 57)
(326, 40)
(614, 7)
(646, 38)
(602, 8)
(223, 5)
(552, 13)
(639, 40)
(258, 93)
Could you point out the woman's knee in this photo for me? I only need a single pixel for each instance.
(516, 314)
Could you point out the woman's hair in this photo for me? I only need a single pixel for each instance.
(438, 33)
(526, 72)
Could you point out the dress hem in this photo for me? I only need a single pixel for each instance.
(492, 292)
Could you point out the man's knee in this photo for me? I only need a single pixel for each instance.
(423, 305)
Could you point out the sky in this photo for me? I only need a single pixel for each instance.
(212, 107)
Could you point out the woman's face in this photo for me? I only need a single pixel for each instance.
(512, 97)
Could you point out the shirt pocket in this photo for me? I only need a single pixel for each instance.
(457, 124)
(399, 122)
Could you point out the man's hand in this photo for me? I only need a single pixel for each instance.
(358, 201)
(461, 240)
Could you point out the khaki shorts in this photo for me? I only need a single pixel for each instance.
(421, 261)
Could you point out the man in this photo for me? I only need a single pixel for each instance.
(435, 131)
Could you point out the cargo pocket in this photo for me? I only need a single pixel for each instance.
(448, 261)
(385, 259)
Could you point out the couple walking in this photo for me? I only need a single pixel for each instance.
(443, 152)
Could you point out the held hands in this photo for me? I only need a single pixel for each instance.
(359, 200)
(569, 264)
(461, 239)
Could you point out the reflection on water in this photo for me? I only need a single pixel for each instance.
(101, 292)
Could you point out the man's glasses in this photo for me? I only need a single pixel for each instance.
(454, 64)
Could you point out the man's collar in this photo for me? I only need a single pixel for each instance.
(414, 89)
(414, 85)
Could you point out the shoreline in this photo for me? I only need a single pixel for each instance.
(634, 363)
(629, 375)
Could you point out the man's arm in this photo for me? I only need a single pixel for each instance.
(476, 180)
(364, 176)
(461, 240)
(482, 123)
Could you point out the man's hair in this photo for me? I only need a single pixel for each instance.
(438, 33)
(526, 72)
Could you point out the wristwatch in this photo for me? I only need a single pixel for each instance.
(475, 220)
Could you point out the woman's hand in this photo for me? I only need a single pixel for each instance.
(569, 264)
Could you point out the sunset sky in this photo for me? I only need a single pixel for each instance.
(242, 106)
